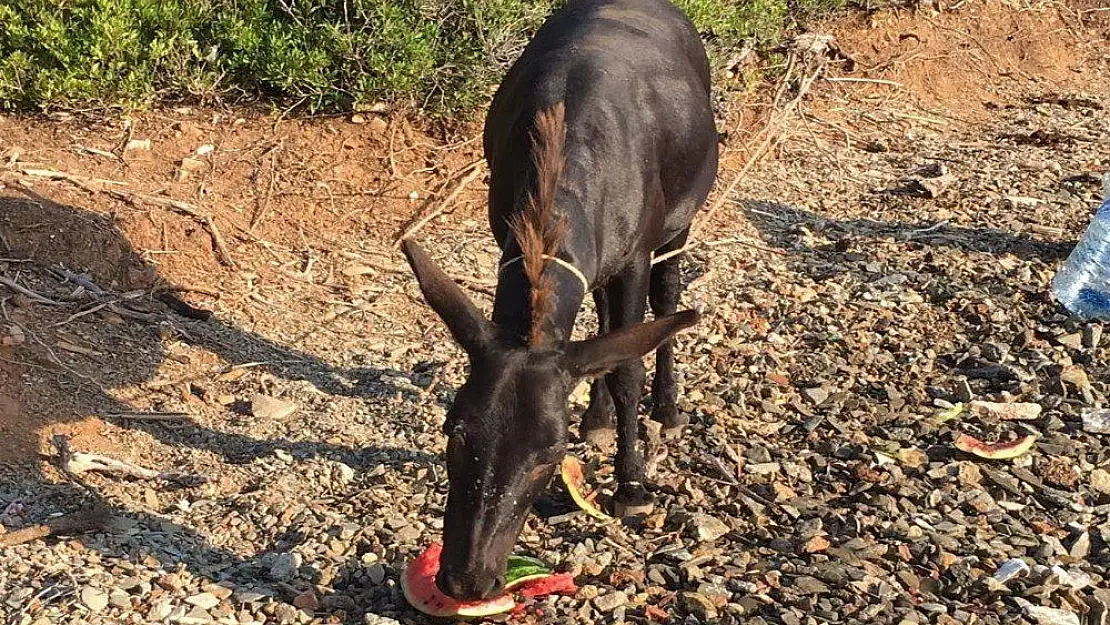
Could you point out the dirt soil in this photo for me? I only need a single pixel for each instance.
(890, 257)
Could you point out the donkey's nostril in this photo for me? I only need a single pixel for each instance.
(498, 585)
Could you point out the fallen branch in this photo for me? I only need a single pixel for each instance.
(91, 518)
(79, 463)
(81, 181)
(475, 171)
(184, 208)
(34, 297)
(177, 417)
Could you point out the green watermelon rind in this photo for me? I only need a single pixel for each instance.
(516, 561)
(522, 576)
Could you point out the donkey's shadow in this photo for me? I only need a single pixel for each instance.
(45, 388)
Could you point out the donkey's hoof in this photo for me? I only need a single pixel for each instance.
(670, 434)
(671, 419)
(632, 500)
(601, 438)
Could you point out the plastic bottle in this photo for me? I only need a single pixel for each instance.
(1082, 284)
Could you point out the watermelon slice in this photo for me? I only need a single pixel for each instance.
(419, 586)
(995, 451)
(551, 584)
(574, 476)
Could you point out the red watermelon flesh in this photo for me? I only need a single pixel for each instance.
(554, 584)
(419, 586)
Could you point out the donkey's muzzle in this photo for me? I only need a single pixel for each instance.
(469, 586)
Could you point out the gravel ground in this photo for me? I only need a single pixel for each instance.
(852, 294)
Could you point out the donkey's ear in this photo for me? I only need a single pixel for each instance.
(450, 302)
(599, 355)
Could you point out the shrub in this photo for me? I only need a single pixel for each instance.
(442, 55)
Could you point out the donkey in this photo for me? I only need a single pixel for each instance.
(601, 146)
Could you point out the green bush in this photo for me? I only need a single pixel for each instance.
(442, 55)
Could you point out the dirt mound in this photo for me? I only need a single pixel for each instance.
(979, 55)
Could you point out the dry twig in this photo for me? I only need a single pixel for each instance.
(475, 170)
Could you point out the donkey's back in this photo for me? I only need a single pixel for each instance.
(640, 139)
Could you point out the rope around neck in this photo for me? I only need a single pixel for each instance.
(558, 261)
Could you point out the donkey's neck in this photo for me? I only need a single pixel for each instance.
(512, 307)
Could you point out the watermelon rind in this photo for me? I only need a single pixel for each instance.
(517, 561)
(574, 478)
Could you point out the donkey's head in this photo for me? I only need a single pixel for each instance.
(507, 429)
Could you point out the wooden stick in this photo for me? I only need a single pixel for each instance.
(149, 416)
(184, 208)
(78, 463)
(476, 171)
(874, 81)
(88, 519)
(35, 297)
(218, 241)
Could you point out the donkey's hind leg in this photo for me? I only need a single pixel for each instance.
(666, 289)
(598, 426)
(627, 300)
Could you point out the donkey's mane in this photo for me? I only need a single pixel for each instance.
(538, 229)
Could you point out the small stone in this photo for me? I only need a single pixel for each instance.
(346, 473)
(1081, 546)
(119, 599)
(1092, 336)
(758, 455)
(963, 392)
(1017, 411)
(376, 573)
(817, 544)
(611, 601)
(307, 601)
(188, 167)
(171, 581)
(94, 599)
(220, 592)
(285, 614)
(285, 566)
(913, 457)
(1073, 340)
(708, 528)
(1100, 481)
(815, 395)
(699, 606)
(266, 407)
(338, 603)
(204, 600)
(160, 611)
(808, 585)
(763, 468)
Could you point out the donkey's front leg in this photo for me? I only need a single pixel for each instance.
(627, 299)
(598, 427)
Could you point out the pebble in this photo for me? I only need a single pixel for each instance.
(272, 408)
(699, 606)
(708, 528)
(611, 601)
(1100, 481)
(376, 573)
(285, 566)
(204, 600)
(94, 599)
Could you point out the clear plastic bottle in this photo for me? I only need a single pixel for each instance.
(1083, 283)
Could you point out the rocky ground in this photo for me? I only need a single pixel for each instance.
(890, 260)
